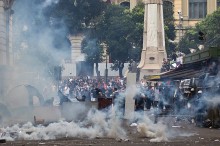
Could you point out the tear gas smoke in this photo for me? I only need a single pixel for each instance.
(34, 44)
(157, 132)
(34, 51)
(34, 47)
(145, 126)
(50, 2)
(95, 125)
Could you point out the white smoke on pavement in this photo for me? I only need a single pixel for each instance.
(156, 132)
(95, 125)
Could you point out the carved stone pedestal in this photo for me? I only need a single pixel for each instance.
(153, 51)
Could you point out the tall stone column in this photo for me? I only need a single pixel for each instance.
(153, 51)
(211, 6)
(2, 34)
(5, 70)
(76, 53)
(76, 56)
(5, 15)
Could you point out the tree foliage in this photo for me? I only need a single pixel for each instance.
(93, 49)
(136, 35)
(123, 30)
(75, 14)
(188, 41)
(120, 29)
(211, 29)
(113, 29)
(169, 27)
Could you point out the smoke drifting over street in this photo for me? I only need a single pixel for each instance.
(34, 39)
(39, 46)
(95, 125)
(49, 2)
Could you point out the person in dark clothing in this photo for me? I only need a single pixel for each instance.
(62, 97)
(149, 94)
(97, 93)
(200, 109)
(139, 102)
(115, 94)
(173, 56)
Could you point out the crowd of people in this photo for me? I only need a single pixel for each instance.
(174, 60)
(89, 89)
(148, 95)
(171, 97)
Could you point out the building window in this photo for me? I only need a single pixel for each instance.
(218, 3)
(197, 9)
(125, 4)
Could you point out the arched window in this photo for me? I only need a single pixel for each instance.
(197, 9)
(218, 3)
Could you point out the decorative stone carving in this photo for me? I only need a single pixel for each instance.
(8, 3)
(132, 67)
(154, 1)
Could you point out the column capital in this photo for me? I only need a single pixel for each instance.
(156, 1)
(153, 1)
(168, 1)
(8, 3)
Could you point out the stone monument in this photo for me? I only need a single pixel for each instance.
(76, 53)
(153, 51)
(5, 29)
(129, 101)
(70, 66)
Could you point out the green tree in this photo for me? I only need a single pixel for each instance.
(211, 29)
(136, 34)
(94, 52)
(122, 31)
(113, 29)
(79, 16)
(76, 15)
(189, 40)
(170, 33)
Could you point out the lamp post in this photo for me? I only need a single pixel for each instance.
(106, 63)
(180, 23)
(106, 57)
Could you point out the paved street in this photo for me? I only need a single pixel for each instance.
(179, 134)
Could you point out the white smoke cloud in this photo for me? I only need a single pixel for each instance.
(49, 2)
(25, 28)
(157, 132)
(96, 125)
(33, 42)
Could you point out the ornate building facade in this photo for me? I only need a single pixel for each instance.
(189, 12)
(186, 12)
